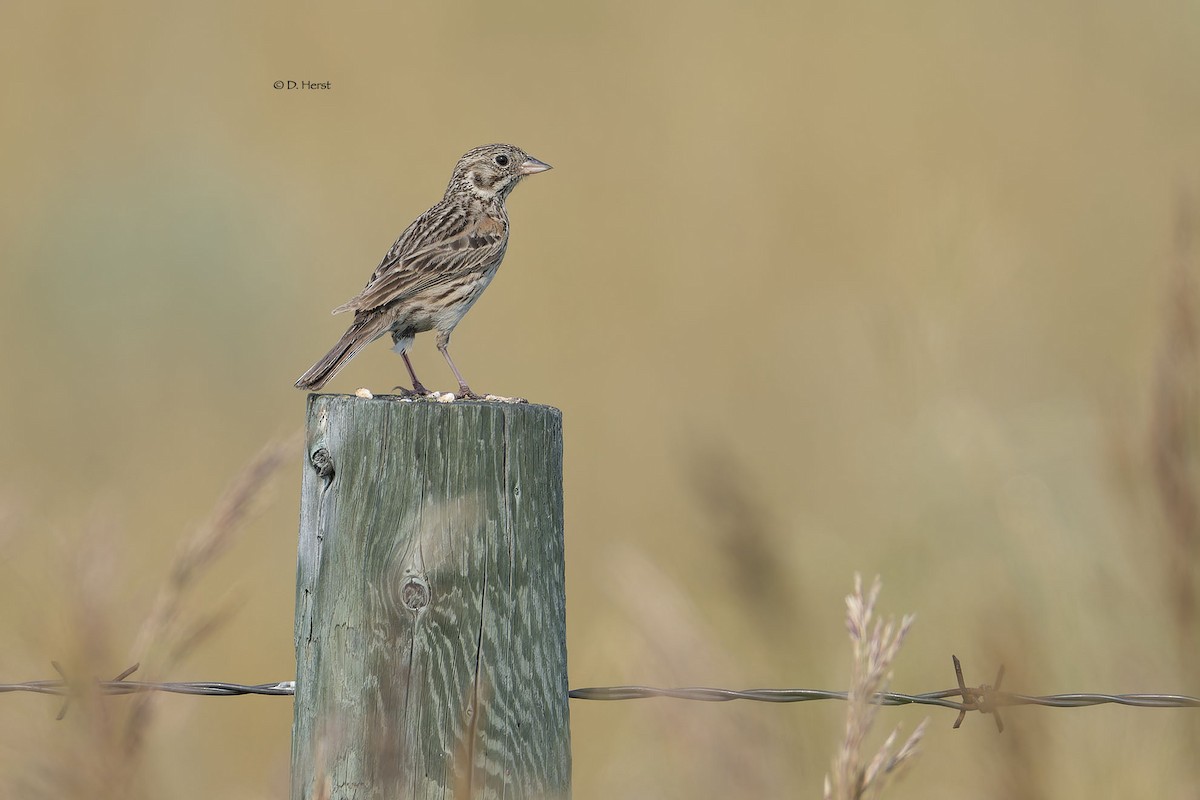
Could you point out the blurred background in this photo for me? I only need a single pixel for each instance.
(899, 289)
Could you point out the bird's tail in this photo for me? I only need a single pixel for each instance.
(366, 329)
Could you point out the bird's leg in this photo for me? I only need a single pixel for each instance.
(418, 388)
(443, 345)
(401, 341)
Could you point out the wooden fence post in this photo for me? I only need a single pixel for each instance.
(430, 613)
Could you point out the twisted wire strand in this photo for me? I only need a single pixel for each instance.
(207, 688)
(997, 699)
(985, 698)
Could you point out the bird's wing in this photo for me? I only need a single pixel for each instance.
(439, 246)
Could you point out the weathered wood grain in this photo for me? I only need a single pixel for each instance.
(430, 613)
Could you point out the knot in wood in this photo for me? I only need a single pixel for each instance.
(323, 463)
(414, 592)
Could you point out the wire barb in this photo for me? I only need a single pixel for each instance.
(62, 712)
(982, 699)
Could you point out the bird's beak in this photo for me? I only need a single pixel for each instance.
(531, 166)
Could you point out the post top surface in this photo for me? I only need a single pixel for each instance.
(429, 402)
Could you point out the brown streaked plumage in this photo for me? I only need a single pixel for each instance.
(438, 267)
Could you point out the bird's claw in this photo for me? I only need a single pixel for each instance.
(404, 391)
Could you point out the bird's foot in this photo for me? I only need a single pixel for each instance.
(463, 393)
(417, 392)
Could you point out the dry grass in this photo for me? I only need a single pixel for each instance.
(736, 751)
(1174, 440)
(875, 646)
(98, 750)
(167, 635)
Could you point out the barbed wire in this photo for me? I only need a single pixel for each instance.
(985, 698)
(65, 687)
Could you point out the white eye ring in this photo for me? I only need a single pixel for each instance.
(501, 160)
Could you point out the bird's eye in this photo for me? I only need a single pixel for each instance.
(501, 160)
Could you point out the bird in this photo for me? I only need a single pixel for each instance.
(438, 267)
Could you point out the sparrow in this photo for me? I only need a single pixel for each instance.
(438, 267)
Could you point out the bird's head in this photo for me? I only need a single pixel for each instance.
(490, 172)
